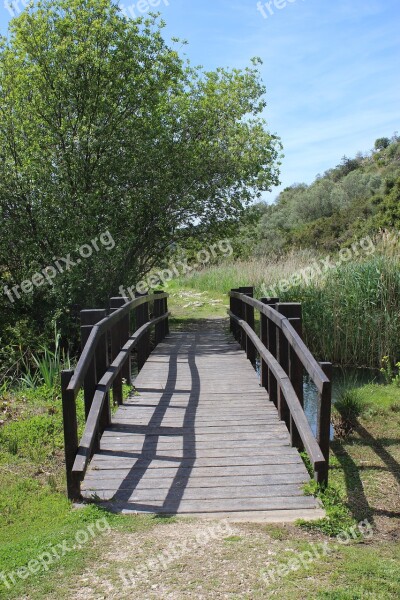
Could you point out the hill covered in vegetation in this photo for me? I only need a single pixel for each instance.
(358, 197)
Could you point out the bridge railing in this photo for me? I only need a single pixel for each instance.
(283, 359)
(105, 361)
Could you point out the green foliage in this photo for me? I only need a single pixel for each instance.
(348, 407)
(358, 303)
(357, 197)
(338, 517)
(49, 365)
(390, 374)
(382, 143)
(105, 129)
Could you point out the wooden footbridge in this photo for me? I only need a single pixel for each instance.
(203, 432)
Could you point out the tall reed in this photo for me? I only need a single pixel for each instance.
(351, 314)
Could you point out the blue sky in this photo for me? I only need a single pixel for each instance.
(331, 68)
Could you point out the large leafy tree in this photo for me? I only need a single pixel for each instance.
(103, 126)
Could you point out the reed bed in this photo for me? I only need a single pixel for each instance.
(351, 313)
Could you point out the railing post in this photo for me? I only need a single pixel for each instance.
(143, 346)
(249, 318)
(89, 318)
(102, 364)
(71, 443)
(166, 322)
(287, 309)
(296, 374)
(264, 337)
(236, 311)
(232, 310)
(120, 333)
(159, 329)
(324, 421)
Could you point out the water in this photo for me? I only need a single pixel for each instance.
(342, 377)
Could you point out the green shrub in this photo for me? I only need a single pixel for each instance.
(348, 408)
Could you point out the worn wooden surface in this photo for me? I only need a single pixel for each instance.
(200, 437)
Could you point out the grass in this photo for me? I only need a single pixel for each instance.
(190, 304)
(357, 303)
(36, 516)
(349, 406)
(34, 511)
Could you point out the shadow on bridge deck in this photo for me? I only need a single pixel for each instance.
(200, 437)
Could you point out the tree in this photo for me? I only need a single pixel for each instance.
(381, 143)
(103, 127)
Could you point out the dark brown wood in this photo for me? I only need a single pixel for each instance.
(310, 364)
(102, 363)
(143, 347)
(324, 423)
(283, 355)
(242, 315)
(89, 442)
(89, 318)
(158, 310)
(117, 334)
(294, 406)
(296, 376)
(125, 331)
(264, 336)
(98, 330)
(70, 435)
(235, 311)
(249, 318)
(166, 322)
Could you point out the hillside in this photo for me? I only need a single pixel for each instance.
(359, 196)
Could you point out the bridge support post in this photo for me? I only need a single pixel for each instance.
(89, 318)
(71, 443)
(235, 309)
(160, 328)
(296, 374)
(119, 336)
(265, 327)
(288, 310)
(143, 346)
(248, 316)
(324, 421)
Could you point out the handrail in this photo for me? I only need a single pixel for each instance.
(296, 410)
(98, 330)
(109, 335)
(310, 364)
(283, 356)
(88, 438)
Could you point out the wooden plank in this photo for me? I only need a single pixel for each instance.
(100, 462)
(194, 472)
(201, 437)
(233, 504)
(229, 492)
(199, 482)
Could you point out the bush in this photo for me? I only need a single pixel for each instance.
(348, 408)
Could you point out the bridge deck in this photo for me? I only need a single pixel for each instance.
(201, 437)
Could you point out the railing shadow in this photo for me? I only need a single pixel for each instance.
(148, 453)
(357, 498)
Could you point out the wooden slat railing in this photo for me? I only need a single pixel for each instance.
(284, 357)
(109, 341)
